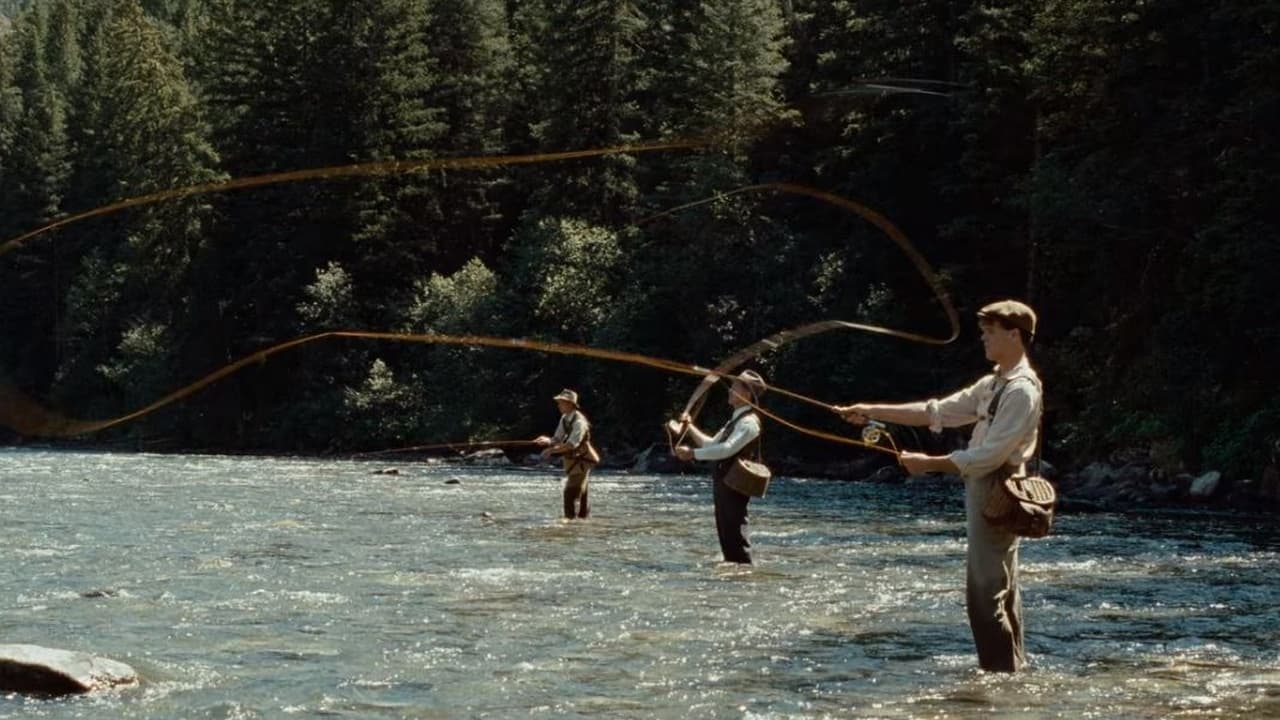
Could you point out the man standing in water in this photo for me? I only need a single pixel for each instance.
(739, 436)
(1006, 406)
(572, 443)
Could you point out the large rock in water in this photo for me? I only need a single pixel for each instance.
(36, 670)
(1206, 485)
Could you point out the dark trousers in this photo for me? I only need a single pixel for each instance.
(992, 596)
(575, 491)
(731, 523)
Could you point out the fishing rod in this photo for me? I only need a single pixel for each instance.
(462, 447)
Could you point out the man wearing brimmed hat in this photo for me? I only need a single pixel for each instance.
(1004, 407)
(572, 443)
(739, 436)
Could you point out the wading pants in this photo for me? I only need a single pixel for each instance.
(575, 488)
(991, 583)
(731, 523)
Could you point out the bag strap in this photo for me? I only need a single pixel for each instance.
(586, 433)
(994, 406)
(758, 440)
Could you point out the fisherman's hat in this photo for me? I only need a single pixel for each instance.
(753, 382)
(568, 396)
(1012, 313)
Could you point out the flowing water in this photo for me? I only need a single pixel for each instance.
(265, 588)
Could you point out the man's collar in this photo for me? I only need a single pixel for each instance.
(738, 411)
(1020, 368)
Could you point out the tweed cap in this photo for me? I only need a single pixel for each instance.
(1013, 313)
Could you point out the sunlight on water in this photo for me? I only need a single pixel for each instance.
(259, 587)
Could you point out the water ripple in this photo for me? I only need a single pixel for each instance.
(268, 587)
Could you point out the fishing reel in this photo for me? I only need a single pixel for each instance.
(872, 432)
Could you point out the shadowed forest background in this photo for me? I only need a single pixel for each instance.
(1112, 162)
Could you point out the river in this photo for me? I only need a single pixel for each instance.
(244, 587)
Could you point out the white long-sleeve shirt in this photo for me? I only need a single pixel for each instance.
(721, 447)
(1007, 439)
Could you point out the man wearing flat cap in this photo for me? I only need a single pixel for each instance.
(740, 436)
(572, 443)
(1004, 408)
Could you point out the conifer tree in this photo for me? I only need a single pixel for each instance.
(34, 174)
(142, 132)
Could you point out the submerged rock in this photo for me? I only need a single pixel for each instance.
(36, 670)
(453, 481)
(387, 471)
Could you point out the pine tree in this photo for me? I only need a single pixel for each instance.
(33, 182)
(583, 96)
(313, 84)
(469, 44)
(142, 133)
(40, 166)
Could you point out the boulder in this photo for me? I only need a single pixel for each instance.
(36, 670)
(1206, 485)
(641, 464)
(1076, 505)
(1131, 456)
(657, 459)
(1096, 474)
(887, 474)
(491, 456)
(1163, 492)
(1269, 487)
(1043, 468)
(1134, 474)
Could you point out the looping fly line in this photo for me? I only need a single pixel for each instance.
(30, 418)
(784, 337)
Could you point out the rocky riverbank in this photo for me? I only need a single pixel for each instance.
(1128, 481)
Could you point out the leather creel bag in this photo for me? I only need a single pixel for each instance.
(1022, 505)
(748, 477)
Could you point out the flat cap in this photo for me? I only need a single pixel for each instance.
(1013, 313)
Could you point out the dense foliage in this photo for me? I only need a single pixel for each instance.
(1107, 160)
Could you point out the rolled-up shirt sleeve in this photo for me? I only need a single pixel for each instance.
(955, 410)
(746, 430)
(1014, 419)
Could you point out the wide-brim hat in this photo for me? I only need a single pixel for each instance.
(568, 396)
(1012, 313)
(753, 382)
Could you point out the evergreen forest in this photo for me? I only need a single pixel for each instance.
(1106, 161)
